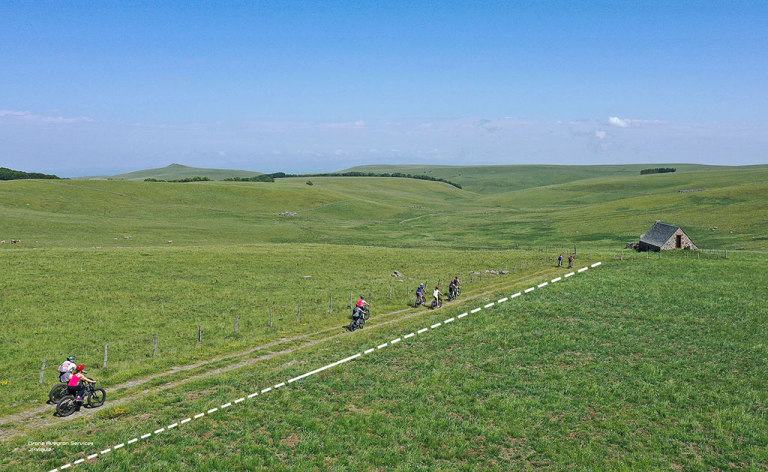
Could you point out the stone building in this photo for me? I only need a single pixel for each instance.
(663, 237)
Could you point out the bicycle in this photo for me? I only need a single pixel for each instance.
(92, 398)
(419, 301)
(359, 322)
(436, 303)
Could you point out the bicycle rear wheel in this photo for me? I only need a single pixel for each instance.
(56, 393)
(97, 397)
(66, 405)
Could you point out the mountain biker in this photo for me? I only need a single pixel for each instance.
(437, 293)
(452, 289)
(66, 368)
(420, 292)
(358, 310)
(560, 260)
(74, 387)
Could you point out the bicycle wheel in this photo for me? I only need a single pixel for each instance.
(56, 393)
(97, 397)
(66, 406)
(362, 323)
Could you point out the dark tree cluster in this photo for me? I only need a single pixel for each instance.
(658, 170)
(10, 174)
(255, 178)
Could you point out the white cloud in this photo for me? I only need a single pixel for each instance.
(616, 121)
(628, 123)
(31, 117)
(600, 134)
(221, 153)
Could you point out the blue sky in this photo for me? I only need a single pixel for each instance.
(104, 87)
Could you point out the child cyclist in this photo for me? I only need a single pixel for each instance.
(74, 386)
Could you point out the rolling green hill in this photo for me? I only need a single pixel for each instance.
(500, 179)
(177, 171)
(605, 211)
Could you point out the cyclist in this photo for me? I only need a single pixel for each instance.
(357, 313)
(436, 294)
(420, 293)
(452, 289)
(74, 387)
(66, 368)
(560, 260)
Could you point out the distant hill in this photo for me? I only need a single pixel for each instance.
(497, 179)
(177, 171)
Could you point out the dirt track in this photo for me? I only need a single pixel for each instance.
(43, 416)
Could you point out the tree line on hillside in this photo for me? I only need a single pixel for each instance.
(658, 170)
(283, 175)
(196, 178)
(10, 174)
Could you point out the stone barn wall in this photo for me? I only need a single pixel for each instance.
(685, 242)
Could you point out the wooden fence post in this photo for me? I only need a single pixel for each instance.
(154, 351)
(330, 308)
(200, 333)
(106, 352)
(42, 371)
(390, 290)
(351, 301)
(271, 312)
(726, 253)
(299, 313)
(237, 322)
(622, 255)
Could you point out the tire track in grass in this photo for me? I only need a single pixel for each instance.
(282, 384)
(39, 417)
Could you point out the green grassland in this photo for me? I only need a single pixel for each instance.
(502, 179)
(178, 171)
(525, 386)
(387, 212)
(612, 369)
(122, 297)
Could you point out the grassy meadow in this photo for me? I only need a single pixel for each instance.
(640, 364)
(584, 374)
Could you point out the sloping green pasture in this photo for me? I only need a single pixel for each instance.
(388, 212)
(616, 368)
(61, 302)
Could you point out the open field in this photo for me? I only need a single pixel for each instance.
(598, 212)
(123, 297)
(614, 368)
(502, 179)
(526, 386)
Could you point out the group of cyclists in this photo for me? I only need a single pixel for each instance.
(453, 292)
(360, 311)
(74, 376)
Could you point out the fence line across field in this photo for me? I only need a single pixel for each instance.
(392, 294)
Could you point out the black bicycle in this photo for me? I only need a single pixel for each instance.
(92, 398)
(359, 322)
(454, 294)
(419, 301)
(438, 303)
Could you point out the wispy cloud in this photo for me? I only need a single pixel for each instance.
(31, 117)
(629, 123)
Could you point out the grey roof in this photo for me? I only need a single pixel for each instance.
(659, 234)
